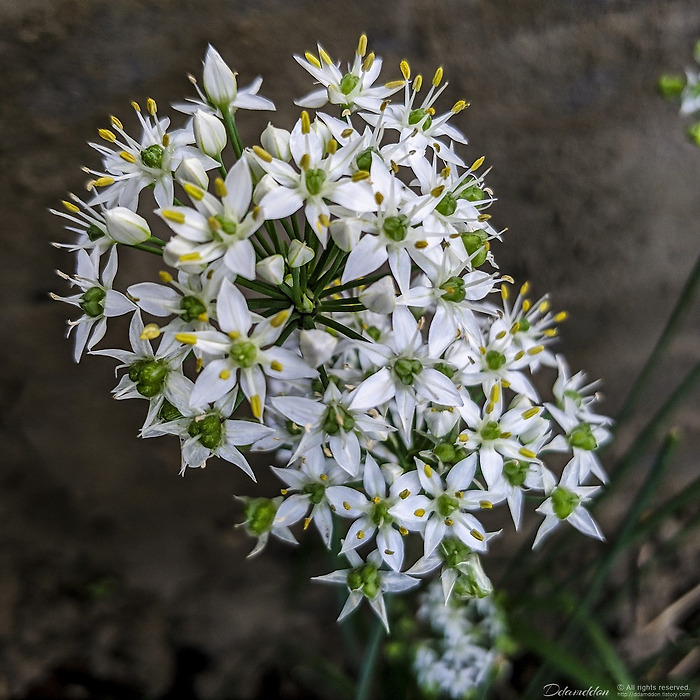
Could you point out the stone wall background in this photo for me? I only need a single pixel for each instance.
(120, 577)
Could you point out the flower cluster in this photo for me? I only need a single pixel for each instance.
(467, 648)
(331, 296)
(687, 89)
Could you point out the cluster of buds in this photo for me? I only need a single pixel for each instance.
(331, 296)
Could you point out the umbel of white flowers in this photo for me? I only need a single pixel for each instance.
(330, 296)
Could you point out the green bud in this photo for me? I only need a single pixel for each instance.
(491, 431)
(243, 353)
(447, 205)
(168, 412)
(419, 114)
(473, 193)
(364, 160)
(314, 181)
(94, 232)
(374, 333)
(348, 83)
(446, 505)
(406, 369)
(473, 242)
(564, 502)
(670, 86)
(495, 360)
(365, 578)
(523, 325)
(693, 132)
(516, 472)
(445, 452)
(395, 227)
(192, 308)
(472, 581)
(149, 376)
(152, 157)
(209, 429)
(445, 369)
(259, 515)
(92, 302)
(454, 290)
(582, 437)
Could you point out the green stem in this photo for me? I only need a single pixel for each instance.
(260, 287)
(155, 241)
(330, 323)
(369, 661)
(331, 272)
(362, 282)
(685, 301)
(261, 240)
(232, 131)
(144, 247)
(288, 329)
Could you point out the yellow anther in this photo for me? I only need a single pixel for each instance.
(347, 133)
(404, 494)
(378, 197)
(527, 453)
(360, 175)
(449, 522)
(489, 408)
(346, 505)
(305, 161)
(116, 123)
(420, 244)
(428, 471)
(214, 223)
(519, 355)
(525, 289)
(391, 85)
(276, 365)
(515, 328)
(362, 45)
(405, 70)
(312, 59)
(476, 535)
(165, 140)
(186, 338)
(544, 307)
(324, 220)
(150, 331)
(550, 332)
(331, 146)
(324, 56)
(224, 374)
(403, 531)
(176, 217)
(190, 257)
(459, 106)
(502, 334)
(561, 316)
(505, 383)
(482, 349)
(530, 413)
(305, 122)
(483, 217)
(459, 494)
(394, 166)
(495, 393)
(136, 106)
(536, 350)
(323, 477)
(234, 335)
(477, 163)
(279, 318)
(431, 112)
(165, 277)
(199, 363)
(419, 512)
(284, 492)
(262, 154)
(203, 317)
(437, 191)
(107, 135)
(256, 405)
(376, 500)
(104, 181)
(128, 157)
(505, 436)
(257, 212)
(463, 438)
(437, 77)
(389, 552)
(526, 305)
(70, 206)
(504, 292)
(194, 192)
(151, 106)
(220, 187)
(367, 63)
(307, 522)
(360, 535)
(418, 82)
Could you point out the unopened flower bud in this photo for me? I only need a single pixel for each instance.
(345, 232)
(316, 346)
(379, 297)
(219, 80)
(271, 269)
(267, 184)
(276, 142)
(209, 133)
(126, 226)
(299, 254)
(191, 170)
(473, 581)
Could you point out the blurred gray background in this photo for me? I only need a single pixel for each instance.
(117, 575)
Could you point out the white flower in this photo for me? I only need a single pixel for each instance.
(219, 80)
(125, 226)
(209, 133)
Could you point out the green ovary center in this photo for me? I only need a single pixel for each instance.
(582, 437)
(149, 376)
(395, 227)
(447, 205)
(491, 431)
(364, 160)
(316, 492)
(209, 429)
(454, 290)
(228, 226)
(348, 83)
(564, 502)
(259, 514)
(516, 472)
(475, 245)
(244, 353)
(92, 302)
(417, 115)
(192, 309)
(94, 232)
(314, 181)
(447, 505)
(495, 360)
(473, 193)
(366, 579)
(380, 513)
(406, 369)
(336, 418)
(152, 157)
